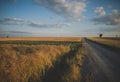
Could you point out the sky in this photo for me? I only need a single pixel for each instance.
(59, 18)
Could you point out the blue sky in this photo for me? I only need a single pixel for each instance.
(59, 18)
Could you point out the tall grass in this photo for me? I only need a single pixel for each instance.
(40, 63)
(21, 63)
(68, 68)
(73, 73)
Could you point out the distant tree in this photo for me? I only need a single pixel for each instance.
(7, 36)
(100, 35)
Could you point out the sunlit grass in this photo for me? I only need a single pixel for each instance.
(21, 62)
(42, 39)
(106, 41)
(30, 63)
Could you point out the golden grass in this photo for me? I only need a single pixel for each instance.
(30, 63)
(21, 63)
(105, 41)
(75, 63)
(44, 39)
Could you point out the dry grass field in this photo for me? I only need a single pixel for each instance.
(57, 61)
(114, 42)
(43, 39)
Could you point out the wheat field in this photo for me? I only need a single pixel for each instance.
(114, 42)
(42, 39)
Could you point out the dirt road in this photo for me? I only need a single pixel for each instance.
(100, 64)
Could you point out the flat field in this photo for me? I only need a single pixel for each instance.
(109, 41)
(43, 39)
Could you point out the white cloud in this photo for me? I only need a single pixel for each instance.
(11, 19)
(115, 12)
(99, 11)
(40, 25)
(13, 32)
(71, 9)
(111, 19)
(19, 21)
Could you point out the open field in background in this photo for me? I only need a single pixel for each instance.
(52, 61)
(39, 41)
(43, 39)
(112, 38)
(113, 42)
